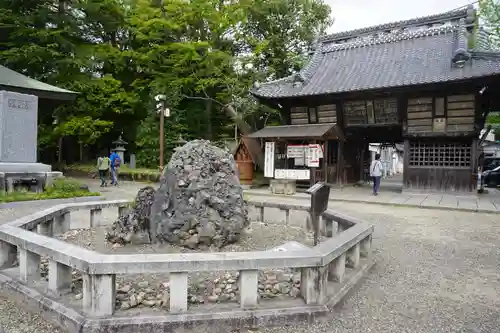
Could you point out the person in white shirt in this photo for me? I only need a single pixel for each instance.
(376, 173)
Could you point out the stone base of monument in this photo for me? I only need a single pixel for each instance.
(32, 176)
(283, 186)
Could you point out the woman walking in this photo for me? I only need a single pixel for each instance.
(376, 173)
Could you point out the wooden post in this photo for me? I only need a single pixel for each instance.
(340, 161)
(325, 161)
(406, 161)
(162, 137)
(474, 165)
(362, 161)
(313, 171)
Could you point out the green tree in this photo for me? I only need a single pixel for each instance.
(203, 54)
(489, 13)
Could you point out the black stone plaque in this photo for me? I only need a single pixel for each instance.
(320, 193)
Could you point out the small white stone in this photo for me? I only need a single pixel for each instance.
(149, 303)
(125, 289)
(133, 301)
(143, 284)
(213, 298)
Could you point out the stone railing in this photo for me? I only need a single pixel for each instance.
(323, 267)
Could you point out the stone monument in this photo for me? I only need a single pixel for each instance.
(120, 148)
(199, 202)
(18, 141)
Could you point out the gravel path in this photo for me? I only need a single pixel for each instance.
(14, 319)
(436, 272)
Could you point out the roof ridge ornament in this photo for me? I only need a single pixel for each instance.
(390, 37)
(460, 52)
(460, 57)
(442, 18)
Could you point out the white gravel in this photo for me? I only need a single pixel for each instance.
(14, 319)
(436, 272)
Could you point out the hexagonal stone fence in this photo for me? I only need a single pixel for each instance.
(328, 272)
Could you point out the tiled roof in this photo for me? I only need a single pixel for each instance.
(294, 131)
(11, 80)
(397, 58)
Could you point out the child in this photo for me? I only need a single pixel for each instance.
(103, 164)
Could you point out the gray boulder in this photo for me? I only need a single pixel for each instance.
(200, 195)
(133, 227)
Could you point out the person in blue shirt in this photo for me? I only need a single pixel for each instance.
(114, 167)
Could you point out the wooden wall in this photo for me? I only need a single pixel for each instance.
(438, 180)
(460, 113)
(381, 111)
(301, 115)
(440, 165)
(447, 115)
(327, 113)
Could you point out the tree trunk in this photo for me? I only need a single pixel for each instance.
(238, 120)
(208, 119)
(81, 151)
(245, 129)
(60, 150)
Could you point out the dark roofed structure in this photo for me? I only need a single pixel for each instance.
(309, 131)
(406, 53)
(428, 82)
(17, 82)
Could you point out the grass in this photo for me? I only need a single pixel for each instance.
(63, 188)
(125, 173)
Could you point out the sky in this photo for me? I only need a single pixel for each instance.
(355, 14)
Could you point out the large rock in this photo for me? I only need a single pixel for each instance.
(134, 226)
(200, 200)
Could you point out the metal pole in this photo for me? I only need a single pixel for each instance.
(162, 137)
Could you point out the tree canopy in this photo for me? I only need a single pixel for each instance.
(202, 54)
(489, 13)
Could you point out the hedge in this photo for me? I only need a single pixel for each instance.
(125, 173)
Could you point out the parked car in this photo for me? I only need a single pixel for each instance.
(491, 163)
(492, 177)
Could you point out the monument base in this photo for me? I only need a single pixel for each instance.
(33, 175)
(9, 167)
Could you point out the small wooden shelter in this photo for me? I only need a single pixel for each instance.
(295, 147)
(245, 160)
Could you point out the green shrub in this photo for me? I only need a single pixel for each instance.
(125, 173)
(62, 188)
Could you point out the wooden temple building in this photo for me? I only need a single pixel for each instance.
(428, 82)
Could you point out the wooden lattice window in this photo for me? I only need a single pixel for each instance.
(436, 155)
(378, 111)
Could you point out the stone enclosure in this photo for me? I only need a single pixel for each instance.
(319, 277)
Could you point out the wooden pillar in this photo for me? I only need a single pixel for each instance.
(406, 161)
(362, 161)
(474, 165)
(325, 161)
(313, 171)
(340, 162)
